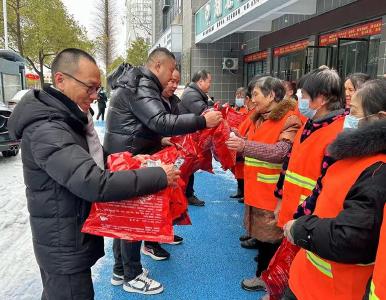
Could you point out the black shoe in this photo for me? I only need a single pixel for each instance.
(241, 200)
(177, 240)
(250, 244)
(193, 200)
(155, 251)
(244, 237)
(239, 194)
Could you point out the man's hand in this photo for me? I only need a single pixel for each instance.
(165, 142)
(287, 231)
(172, 174)
(142, 157)
(213, 118)
(235, 143)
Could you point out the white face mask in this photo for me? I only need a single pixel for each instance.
(239, 102)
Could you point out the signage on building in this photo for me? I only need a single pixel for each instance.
(213, 15)
(371, 28)
(257, 56)
(294, 47)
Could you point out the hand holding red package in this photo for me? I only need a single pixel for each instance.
(142, 218)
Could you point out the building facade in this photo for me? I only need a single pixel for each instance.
(138, 21)
(238, 39)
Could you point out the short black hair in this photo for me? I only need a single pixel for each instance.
(269, 84)
(357, 79)
(325, 82)
(67, 61)
(373, 96)
(158, 52)
(202, 74)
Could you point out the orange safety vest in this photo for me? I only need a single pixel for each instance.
(378, 283)
(244, 128)
(260, 177)
(304, 167)
(313, 277)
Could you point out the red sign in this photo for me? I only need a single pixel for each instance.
(294, 47)
(367, 29)
(32, 76)
(257, 56)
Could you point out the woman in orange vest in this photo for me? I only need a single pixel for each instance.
(322, 89)
(339, 241)
(377, 285)
(352, 83)
(244, 105)
(264, 150)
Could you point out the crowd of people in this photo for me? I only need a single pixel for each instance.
(310, 171)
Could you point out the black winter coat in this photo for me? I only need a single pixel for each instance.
(352, 237)
(193, 100)
(137, 118)
(62, 180)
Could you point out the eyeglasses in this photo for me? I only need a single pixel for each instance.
(90, 89)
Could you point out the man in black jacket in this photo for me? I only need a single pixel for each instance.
(63, 172)
(137, 122)
(194, 100)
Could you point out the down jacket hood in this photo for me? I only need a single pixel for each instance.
(367, 140)
(38, 105)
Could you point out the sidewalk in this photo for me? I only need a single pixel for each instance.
(209, 264)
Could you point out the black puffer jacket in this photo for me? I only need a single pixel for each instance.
(62, 180)
(138, 119)
(193, 100)
(351, 237)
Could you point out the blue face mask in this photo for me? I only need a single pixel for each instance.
(350, 122)
(239, 102)
(304, 108)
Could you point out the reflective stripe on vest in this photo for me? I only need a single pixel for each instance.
(268, 178)
(302, 198)
(372, 295)
(319, 263)
(259, 163)
(300, 180)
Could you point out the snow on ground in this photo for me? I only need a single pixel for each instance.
(19, 273)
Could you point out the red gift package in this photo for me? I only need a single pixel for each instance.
(141, 218)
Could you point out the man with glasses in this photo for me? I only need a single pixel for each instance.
(63, 165)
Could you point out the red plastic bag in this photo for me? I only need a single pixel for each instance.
(277, 274)
(221, 153)
(234, 118)
(142, 218)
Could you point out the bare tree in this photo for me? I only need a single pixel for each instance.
(141, 19)
(105, 28)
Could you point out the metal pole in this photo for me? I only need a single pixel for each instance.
(5, 24)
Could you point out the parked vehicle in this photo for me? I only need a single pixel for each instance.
(15, 99)
(8, 146)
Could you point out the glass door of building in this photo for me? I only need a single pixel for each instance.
(291, 66)
(352, 56)
(317, 56)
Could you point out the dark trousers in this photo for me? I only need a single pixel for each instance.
(240, 186)
(76, 286)
(101, 112)
(127, 256)
(266, 252)
(289, 295)
(189, 187)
